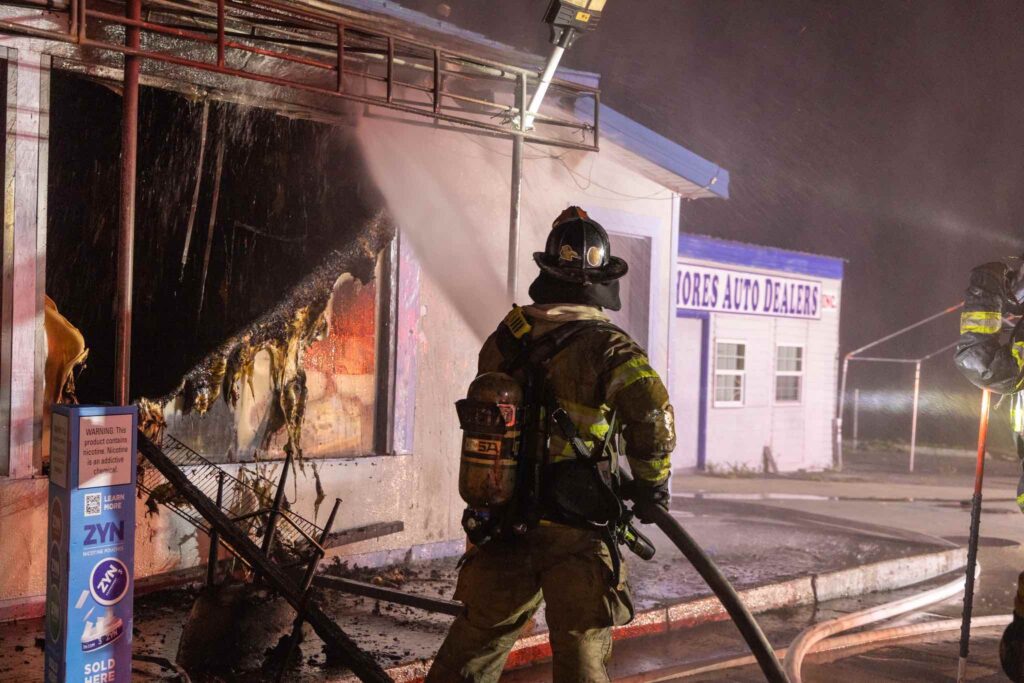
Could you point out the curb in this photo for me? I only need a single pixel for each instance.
(885, 575)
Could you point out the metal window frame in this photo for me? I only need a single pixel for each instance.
(386, 355)
(10, 59)
(742, 374)
(799, 374)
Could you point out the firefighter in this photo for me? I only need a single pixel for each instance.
(987, 357)
(545, 548)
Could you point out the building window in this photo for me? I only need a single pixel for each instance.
(789, 372)
(350, 370)
(730, 373)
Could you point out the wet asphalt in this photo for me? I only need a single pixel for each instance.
(874, 488)
(758, 528)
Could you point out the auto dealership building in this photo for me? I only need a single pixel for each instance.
(754, 356)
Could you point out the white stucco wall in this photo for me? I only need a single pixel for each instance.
(449, 193)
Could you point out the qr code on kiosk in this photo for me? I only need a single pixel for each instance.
(93, 504)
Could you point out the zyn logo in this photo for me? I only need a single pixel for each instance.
(109, 581)
(103, 534)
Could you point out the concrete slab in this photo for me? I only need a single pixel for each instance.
(778, 558)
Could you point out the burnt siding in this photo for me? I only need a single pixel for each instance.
(293, 194)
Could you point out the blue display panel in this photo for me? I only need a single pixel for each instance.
(91, 544)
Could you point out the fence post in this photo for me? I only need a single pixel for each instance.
(856, 417)
(913, 422)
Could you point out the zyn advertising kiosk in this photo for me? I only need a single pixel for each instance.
(91, 544)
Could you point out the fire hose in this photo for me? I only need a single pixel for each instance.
(802, 644)
(816, 638)
(723, 590)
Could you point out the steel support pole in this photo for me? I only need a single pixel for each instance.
(839, 415)
(547, 76)
(913, 419)
(307, 582)
(517, 188)
(211, 562)
(275, 510)
(126, 228)
(856, 418)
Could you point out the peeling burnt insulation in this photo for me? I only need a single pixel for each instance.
(238, 243)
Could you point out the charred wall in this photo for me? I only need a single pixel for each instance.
(294, 204)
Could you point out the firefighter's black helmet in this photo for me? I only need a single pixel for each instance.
(578, 250)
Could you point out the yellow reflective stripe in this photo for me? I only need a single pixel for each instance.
(561, 449)
(1020, 501)
(517, 323)
(980, 322)
(1017, 350)
(631, 371)
(653, 471)
(584, 416)
(1017, 413)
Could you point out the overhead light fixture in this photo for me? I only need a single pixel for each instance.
(572, 16)
(567, 18)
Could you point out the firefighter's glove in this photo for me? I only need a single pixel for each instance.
(646, 497)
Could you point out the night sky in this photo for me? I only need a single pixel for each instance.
(887, 133)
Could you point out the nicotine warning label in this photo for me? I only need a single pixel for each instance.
(104, 451)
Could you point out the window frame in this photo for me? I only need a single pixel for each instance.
(720, 372)
(799, 374)
(386, 352)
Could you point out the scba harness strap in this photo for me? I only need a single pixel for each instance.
(573, 492)
(522, 352)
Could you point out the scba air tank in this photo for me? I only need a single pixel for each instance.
(490, 420)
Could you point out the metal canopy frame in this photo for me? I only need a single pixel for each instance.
(305, 49)
(312, 50)
(854, 356)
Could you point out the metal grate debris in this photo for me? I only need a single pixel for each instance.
(246, 499)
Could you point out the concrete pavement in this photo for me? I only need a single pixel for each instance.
(874, 489)
(803, 547)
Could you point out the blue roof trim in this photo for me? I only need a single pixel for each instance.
(422, 20)
(658, 149)
(768, 258)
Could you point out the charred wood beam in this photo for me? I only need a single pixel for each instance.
(369, 590)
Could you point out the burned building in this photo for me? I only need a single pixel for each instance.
(321, 243)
